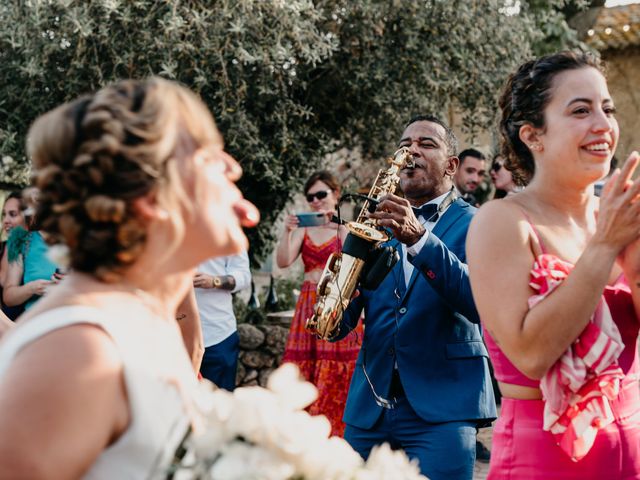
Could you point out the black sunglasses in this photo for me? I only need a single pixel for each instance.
(496, 167)
(319, 195)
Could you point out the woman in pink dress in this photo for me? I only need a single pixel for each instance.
(327, 365)
(555, 275)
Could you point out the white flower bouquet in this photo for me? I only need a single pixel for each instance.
(260, 433)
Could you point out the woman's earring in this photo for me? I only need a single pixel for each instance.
(162, 214)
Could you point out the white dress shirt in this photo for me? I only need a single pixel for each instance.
(414, 249)
(216, 305)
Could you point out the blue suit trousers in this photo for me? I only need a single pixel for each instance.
(445, 451)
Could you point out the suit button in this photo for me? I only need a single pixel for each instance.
(391, 351)
(403, 310)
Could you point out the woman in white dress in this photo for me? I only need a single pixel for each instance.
(95, 381)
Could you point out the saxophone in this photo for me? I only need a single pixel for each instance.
(361, 259)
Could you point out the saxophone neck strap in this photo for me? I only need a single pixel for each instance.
(451, 197)
(431, 212)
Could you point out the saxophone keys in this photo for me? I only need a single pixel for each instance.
(333, 264)
(323, 286)
(312, 323)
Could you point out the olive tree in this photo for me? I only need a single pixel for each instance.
(288, 81)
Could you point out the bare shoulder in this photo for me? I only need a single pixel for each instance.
(497, 217)
(499, 231)
(65, 365)
(81, 341)
(57, 385)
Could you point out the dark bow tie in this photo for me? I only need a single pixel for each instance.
(429, 212)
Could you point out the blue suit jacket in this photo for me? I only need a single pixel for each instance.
(430, 328)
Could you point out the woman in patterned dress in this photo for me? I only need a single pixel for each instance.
(328, 366)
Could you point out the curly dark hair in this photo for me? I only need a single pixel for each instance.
(95, 156)
(524, 100)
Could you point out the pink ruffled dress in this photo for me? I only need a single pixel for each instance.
(588, 424)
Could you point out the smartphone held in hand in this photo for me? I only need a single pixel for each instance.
(312, 219)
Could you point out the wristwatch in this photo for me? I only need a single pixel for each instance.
(217, 282)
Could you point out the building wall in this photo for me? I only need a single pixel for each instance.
(623, 72)
(484, 140)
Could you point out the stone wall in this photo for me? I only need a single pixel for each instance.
(261, 349)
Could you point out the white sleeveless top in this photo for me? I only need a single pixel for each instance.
(158, 376)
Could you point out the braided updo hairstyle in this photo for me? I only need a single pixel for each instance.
(524, 100)
(95, 156)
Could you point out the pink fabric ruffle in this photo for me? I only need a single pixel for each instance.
(577, 389)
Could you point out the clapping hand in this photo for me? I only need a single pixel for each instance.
(629, 257)
(618, 223)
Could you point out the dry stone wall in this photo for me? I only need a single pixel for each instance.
(261, 350)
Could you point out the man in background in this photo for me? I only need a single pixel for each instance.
(470, 174)
(215, 281)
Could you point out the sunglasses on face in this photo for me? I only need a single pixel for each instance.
(322, 194)
(496, 167)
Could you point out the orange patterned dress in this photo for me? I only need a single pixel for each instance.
(327, 365)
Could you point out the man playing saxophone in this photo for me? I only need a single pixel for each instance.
(422, 380)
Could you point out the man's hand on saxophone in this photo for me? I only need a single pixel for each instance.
(395, 213)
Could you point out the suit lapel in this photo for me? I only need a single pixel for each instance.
(439, 230)
(448, 219)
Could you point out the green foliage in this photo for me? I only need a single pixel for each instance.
(551, 16)
(288, 81)
(285, 291)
